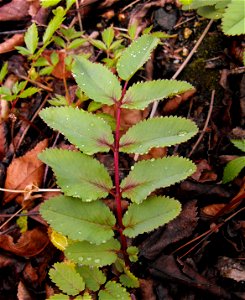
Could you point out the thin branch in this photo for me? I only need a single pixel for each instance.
(35, 190)
(205, 125)
(155, 104)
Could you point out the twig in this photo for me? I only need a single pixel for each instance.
(37, 190)
(79, 15)
(31, 121)
(155, 104)
(205, 125)
(129, 5)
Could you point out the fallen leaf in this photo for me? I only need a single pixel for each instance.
(15, 10)
(212, 209)
(10, 44)
(165, 267)
(231, 268)
(181, 227)
(154, 153)
(147, 289)
(22, 292)
(172, 104)
(24, 171)
(204, 172)
(129, 117)
(59, 70)
(3, 140)
(30, 244)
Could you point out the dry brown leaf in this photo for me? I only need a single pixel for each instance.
(176, 230)
(212, 209)
(129, 117)
(3, 141)
(154, 153)
(231, 268)
(25, 171)
(15, 10)
(30, 244)
(23, 293)
(172, 104)
(147, 289)
(59, 70)
(11, 43)
(204, 172)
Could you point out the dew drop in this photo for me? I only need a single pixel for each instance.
(89, 258)
(80, 258)
(97, 261)
(182, 133)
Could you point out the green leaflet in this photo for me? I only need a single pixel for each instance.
(85, 130)
(135, 56)
(240, 144)
(210, 12)
(93, 255)
(67, 279)
(140, 95)
(54, 24)
(199, 3)
(157, 132)
(129, 280)
(233, 168)
(149, 215)
(133, 253)
(80, 221)
(31, 38)
(96, 81)
(112, 291)
(93, 277)
(77, 174)
(146, 176)
(234, 19)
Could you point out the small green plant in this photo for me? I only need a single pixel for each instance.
(231, 12)
(91, 235)
(234, 167)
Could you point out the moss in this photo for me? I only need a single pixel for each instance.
(204, 79)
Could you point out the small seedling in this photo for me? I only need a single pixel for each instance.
(91, 234)
(234, 167)
(231, 12)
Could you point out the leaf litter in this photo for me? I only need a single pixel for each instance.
(173, 265)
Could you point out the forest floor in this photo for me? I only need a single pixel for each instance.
(198, 255)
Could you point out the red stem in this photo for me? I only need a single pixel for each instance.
(118, 195)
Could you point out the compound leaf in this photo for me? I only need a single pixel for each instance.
(157, 132)
(92, 255)
(85, 130)
(112, 291)
(67, 279)
(93, 277)
(96, 81)
(233, 168)
(141, 94)
(78, 174)
(135, 56)
(146, 176)
(149, 215)
(234, 19)
(80, 221)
